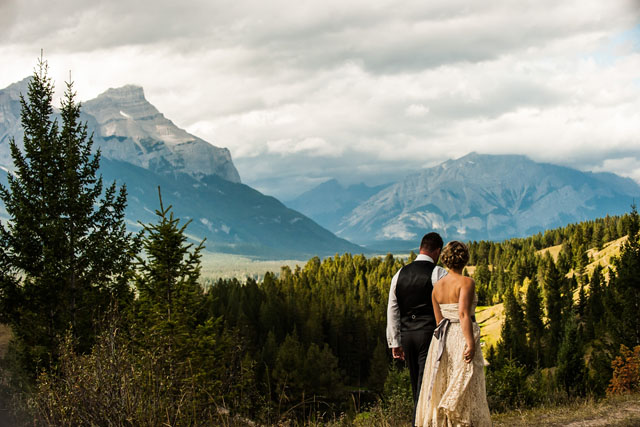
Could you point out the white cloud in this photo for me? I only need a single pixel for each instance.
(300, 92)
(316, 147)
(626, 166)
(416, 110)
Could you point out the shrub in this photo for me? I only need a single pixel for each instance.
(508, 388)
(626, 371)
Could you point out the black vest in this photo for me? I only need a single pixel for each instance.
(413, 292)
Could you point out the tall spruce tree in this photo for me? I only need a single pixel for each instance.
(533, 317)
(595, 305)
(554, 284)
(66, 238)
(170, 302)
(513, 339)
(571, 370)
(171, 320)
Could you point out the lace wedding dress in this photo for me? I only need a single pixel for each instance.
(453, 392)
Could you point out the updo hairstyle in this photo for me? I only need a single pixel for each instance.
(455, 255)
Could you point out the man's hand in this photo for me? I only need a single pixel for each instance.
(398, 353)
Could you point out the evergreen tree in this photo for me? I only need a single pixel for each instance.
(513, 340)
(571, 369)
(379, 367)
(533, 316)
(597, 239)
(66, 241)
(554, 283)
(170, 302)
(170, 318)
(564, 259)
(595, 304)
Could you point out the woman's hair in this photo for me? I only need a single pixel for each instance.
(455, 254)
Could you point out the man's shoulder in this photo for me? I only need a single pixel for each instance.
(417, 266)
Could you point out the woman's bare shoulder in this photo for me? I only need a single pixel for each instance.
(467, 283)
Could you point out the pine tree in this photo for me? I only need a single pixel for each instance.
(554, 283)
(595, 304)
(513, 338)
(571, 369)
(170, 320)
(170, 302)
(533, 316)
(65, 240)
(379, 367)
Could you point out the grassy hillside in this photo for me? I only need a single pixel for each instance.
(490, 318)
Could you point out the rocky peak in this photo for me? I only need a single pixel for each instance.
(126, 102)
(129, 128)
(14, 90)
(125, 93)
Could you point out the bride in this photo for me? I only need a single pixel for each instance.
(453, 387)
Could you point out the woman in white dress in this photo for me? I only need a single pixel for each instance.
(453, 387)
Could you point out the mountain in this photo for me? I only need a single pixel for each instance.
(133, 130)
(329, 202)
(484, 197)
(143, 149)
(233, 217)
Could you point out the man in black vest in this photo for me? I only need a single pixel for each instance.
(410, 319)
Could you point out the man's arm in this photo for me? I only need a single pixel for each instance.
(393, 320)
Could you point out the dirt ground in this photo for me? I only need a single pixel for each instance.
(619, 411)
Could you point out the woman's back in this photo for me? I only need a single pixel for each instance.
(447, 289)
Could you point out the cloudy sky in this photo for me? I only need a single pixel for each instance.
(303, 91)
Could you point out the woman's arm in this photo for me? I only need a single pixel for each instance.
(465, 303)
(436, 307)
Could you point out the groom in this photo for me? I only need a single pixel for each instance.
(410, 318)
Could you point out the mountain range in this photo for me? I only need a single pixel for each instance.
(330, 202)
(143, 149)
(475, 197)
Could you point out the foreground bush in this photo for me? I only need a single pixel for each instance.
(626, 371)
(113, 383)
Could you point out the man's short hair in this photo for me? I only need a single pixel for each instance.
(431, 242)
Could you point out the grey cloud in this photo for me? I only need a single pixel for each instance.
(389, 39)
(507, 96)
(245, 73)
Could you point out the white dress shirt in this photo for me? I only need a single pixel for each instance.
(393, 310)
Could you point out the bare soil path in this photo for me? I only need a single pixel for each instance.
(618, 411)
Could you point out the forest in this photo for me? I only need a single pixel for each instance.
(112, 325)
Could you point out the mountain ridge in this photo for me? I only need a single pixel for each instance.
(483, 197)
